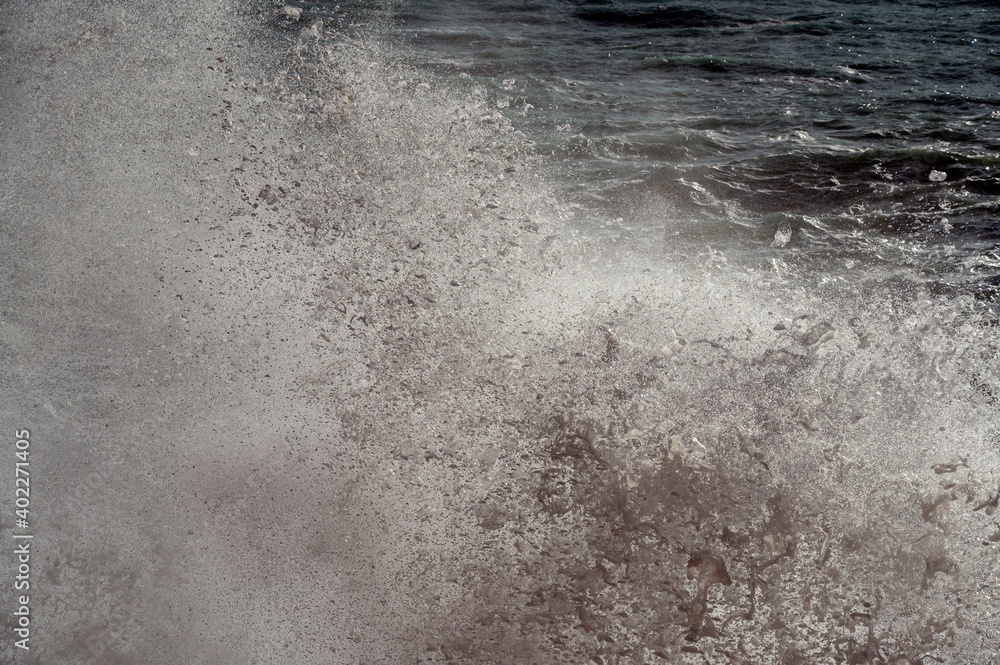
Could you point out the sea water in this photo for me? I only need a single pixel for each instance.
(566, 332)
(867, 131)
(779, 261)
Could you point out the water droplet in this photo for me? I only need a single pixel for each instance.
(782, 236)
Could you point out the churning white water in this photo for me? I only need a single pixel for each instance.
(318, 368)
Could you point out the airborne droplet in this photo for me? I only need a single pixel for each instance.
(782, 236)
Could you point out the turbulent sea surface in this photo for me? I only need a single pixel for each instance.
(867, 130)
(509, 333)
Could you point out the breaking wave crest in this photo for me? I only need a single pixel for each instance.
(463, 428)
(638, 459)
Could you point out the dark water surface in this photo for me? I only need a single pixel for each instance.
(869, 131)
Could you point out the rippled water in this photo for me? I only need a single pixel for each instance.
(870, 130)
